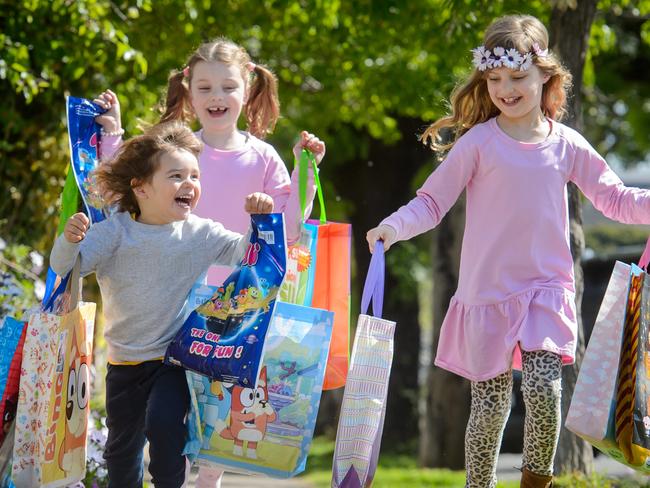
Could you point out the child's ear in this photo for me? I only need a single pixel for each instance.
(138, 188)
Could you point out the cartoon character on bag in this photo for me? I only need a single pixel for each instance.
(214, 406)
(250, 413)
(73, 453)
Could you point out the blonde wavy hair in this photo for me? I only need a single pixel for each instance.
(470, 101)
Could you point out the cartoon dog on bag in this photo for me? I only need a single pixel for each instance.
(250, 413)
(72, 454)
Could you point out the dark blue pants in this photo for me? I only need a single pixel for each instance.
(146, 401)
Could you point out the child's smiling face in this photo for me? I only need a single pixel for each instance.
(218, 94)
(174, 189)
(517, 94)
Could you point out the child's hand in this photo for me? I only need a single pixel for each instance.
(258, 203)
(312, 143)
(381, 233)
(76, 227)
(111, 120)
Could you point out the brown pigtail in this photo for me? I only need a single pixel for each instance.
(263, 106)
(177, 105)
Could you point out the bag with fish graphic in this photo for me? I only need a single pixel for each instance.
(223, 338)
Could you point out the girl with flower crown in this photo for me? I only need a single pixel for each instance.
(514, 306)
(218, 83)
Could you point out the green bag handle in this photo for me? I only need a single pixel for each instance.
(69, 200)
(307, 157)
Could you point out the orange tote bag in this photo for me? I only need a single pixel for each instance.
(332, 278)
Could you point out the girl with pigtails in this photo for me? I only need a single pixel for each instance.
(515, 304)
(219, 81)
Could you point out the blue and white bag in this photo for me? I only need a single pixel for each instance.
(223, 338)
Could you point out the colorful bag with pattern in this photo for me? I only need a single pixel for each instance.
(53, 398)
(268, 429)
(223, 339)
(361, 421)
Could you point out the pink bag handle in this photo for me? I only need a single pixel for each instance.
(645, 257)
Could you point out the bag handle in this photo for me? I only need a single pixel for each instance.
(373, 289)
(306, 157)
(72, 283)
(645, 257)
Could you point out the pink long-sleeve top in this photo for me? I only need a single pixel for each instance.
(227, 177)
(516, 283)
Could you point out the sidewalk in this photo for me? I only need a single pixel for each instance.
(506, 468)
(231, 480)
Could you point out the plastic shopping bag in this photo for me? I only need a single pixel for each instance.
(223, 339)
(265, 430)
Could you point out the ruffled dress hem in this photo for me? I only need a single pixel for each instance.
(482, 341)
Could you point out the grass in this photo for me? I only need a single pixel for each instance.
(400, 470)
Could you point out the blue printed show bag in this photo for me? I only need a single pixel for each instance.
(223, 339)
(265, 430)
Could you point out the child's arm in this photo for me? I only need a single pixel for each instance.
(92, 243)
(433, 200)
(605, 189)
(285, 191)
(231, 246)
(111, 122)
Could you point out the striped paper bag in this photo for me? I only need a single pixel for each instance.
(361, 421)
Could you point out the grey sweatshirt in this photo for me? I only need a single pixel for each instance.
(145, 273)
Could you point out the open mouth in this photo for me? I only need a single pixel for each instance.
(184, 201)
(217, 111)
(510, 101)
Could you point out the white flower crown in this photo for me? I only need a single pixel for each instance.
(510, 58)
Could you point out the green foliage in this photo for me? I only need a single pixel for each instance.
(50, 49)
(20, 287)
(604, 238)
(617, 94)
(347, 71)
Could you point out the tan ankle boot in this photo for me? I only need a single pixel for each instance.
(532, 480)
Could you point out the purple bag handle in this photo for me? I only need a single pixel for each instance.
(373, 289)
(645, 257)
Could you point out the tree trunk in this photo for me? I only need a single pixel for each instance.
(378, 183)
(569, 32)
(445, 395)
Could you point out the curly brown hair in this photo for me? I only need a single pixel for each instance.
(138, 159)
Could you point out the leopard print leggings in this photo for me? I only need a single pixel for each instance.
(490, 407)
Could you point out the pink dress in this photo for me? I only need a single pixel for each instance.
(516, 283)
(227, 177)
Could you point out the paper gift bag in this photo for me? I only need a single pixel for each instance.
(331, 287)
(53, 399)
(267, 430)
(641, 410)
(627, 384)
(224, 337)
(361, 420)
(591, 404)
(602, 408)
